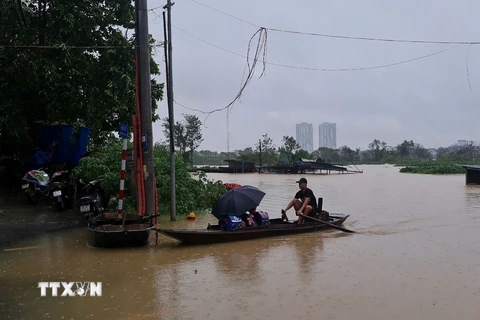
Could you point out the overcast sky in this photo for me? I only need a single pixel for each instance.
(428, 100)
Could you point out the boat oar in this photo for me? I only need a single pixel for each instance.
(327, 223)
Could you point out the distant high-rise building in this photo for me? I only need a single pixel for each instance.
(327, 133)
(305, 136)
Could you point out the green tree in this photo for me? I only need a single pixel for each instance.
(288, 149)
(193, 133)
(187, 135)
(302, 154)
(347, 154)
(179, 135)
(377, 149)
(327, 154)
(269, 151)
(248, 154)
(404, 149)
(412, 150)
(67, 62)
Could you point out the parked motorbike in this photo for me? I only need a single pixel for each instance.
(61, 194)
(36, 184)
(93, 199)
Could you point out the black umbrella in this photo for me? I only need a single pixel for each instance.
(238, 201)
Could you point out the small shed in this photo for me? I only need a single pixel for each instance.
(473, 173)
(239, 166)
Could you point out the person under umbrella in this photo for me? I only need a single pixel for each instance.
(236, 202)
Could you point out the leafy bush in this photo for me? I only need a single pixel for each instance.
(104, 165)
(193, 191)
(434, 169)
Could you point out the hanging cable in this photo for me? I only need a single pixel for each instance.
(323, 69)
(260, 53)
(315, 34)
(160, 44)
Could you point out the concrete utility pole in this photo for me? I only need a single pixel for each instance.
(169, 71)
(145, 102)
(260, 147)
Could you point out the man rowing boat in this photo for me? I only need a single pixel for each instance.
(304, 202)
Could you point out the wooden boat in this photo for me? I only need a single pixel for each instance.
(108, 232)
(277, 227)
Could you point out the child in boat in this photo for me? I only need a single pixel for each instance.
(248, 220)
(261, 217)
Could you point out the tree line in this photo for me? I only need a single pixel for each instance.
(378, 151)
(67, 62)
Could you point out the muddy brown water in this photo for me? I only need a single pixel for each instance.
(418, 257)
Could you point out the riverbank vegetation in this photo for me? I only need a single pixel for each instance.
(193, 191)
(413, 156)
(433, 168)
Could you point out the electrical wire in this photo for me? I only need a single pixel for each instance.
(260, 53)
(323, 69)
(261, 50)
(315, 34)
(261, 46)
(73, 47)
(227, 14)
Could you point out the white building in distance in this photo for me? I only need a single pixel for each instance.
(305, 136)
(327, 133)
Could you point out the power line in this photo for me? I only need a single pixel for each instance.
(191, 109)
(209, 43)
(315, 34)
(373, 39)
(262, 45)
(160, 44)
(227, 14)
(323, 69)
(260, 53)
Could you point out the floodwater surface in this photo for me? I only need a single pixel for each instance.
(416, 256)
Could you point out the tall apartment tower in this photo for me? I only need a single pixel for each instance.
(305, 136)
(327, 133)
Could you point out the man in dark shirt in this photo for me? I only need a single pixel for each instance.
(304, 202)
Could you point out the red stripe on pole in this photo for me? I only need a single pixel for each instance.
(122, 178)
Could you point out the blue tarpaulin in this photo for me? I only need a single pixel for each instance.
(71, 147)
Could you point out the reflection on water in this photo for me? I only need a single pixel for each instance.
(417, 257)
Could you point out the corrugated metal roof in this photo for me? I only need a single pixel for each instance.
(470, 166)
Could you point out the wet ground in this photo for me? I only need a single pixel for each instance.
(416, 257)
(20, 221)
